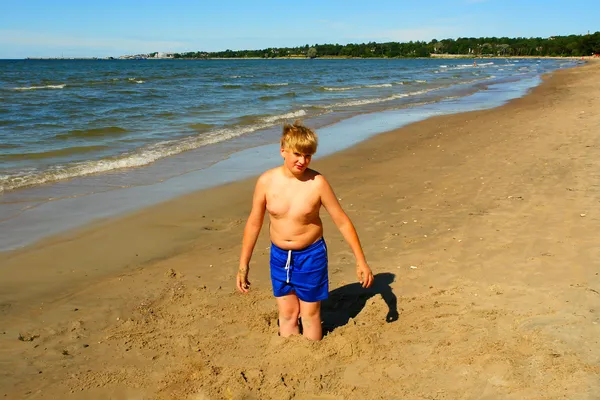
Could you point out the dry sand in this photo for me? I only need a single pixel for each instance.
(482, 229)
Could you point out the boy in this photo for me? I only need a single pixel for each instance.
(293, 195)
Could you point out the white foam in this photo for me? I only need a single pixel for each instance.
(340, 89)
(290, 115)
(276, 84)
(62, 86)
(362, 102)
(379, 85)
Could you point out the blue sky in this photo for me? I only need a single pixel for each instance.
(78, 28)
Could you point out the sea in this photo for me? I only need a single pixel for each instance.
(82, 140)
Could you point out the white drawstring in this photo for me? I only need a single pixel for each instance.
(287, 266)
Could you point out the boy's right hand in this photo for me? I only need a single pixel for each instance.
(243, 284)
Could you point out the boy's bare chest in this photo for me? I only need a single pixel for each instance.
(293, 201)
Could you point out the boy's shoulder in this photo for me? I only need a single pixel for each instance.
(268, 175)
(315, 176)
(316, 180)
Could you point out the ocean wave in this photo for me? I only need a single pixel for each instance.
(200, 126)
(139, 158)
(340, 89)
(65, 152)
(94, 132)
(376, 100)
(259, 86)
(61, 86)
(344, 88)
(459, 67)
(254, 86)
(275, 97)
(464, 66)
(93, 81)
(380, 85)
(290, 115)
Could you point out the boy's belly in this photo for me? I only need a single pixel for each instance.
(289, 235)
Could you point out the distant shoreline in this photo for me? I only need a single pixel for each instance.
(433, 56)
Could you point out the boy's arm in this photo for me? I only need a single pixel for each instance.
(342, 221)
(251, 231)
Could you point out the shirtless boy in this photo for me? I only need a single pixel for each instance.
(293, 195)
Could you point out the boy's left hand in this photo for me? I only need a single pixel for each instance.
(364, 274)
(242, 282)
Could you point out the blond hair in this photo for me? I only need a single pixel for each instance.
(299, 138)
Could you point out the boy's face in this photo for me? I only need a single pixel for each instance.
(295, 161)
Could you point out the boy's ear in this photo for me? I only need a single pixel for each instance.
(282, 152)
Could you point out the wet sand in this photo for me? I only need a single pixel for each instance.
(481, 228)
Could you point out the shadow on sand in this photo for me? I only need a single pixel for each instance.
(347, 302)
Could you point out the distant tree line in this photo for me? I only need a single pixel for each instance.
(572, 45)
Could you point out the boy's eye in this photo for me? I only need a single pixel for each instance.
(305, 155)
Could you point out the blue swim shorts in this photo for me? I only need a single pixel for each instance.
(301, 271)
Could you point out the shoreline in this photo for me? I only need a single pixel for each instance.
(144, 305)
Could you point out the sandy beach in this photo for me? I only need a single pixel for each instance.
(481, 229)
